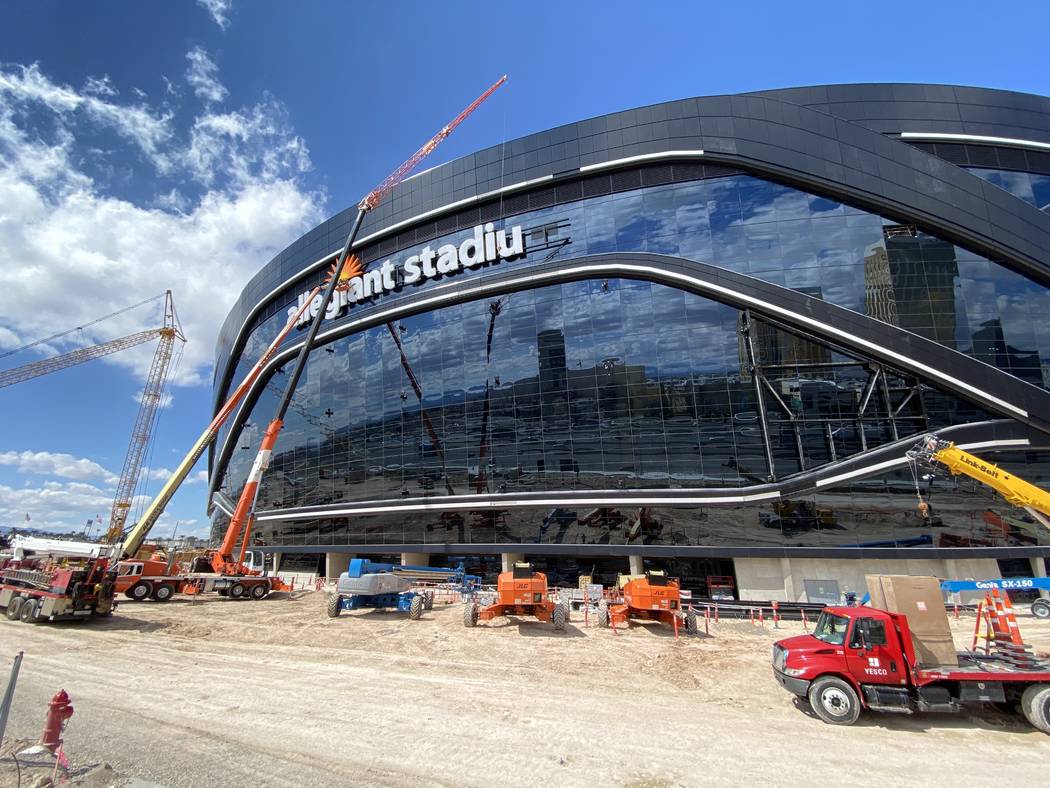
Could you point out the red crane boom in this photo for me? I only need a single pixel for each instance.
(372, 199)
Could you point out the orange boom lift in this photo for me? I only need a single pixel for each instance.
(520, 592)
(653, 597)
(223, 560)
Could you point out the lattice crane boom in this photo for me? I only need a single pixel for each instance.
(142, 432)
(47, 365)
(372, 199)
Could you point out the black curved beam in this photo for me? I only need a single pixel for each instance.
(968, 378)
(759, 133)
(994, 435)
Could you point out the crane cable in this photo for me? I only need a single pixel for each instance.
(61, 334)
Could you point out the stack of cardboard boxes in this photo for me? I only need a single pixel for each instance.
(921, 600)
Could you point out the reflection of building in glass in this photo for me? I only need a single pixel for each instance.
(990, 344)
(579, 417)
(776, 349)
(909, 281)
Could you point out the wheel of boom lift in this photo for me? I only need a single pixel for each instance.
(14, 607)
(334, 605)
(834, 701)
(603, 614)
(415, 609)
(1041, 608)
(690, 622)
(260, 590)
(29, 610)
(162, 593)
(1035, 705)
(470, 614)
(428, 600)
(238, 590)
(139, 591)
(559, 617)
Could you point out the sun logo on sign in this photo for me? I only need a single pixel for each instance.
(351, 268)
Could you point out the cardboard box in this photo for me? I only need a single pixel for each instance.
(920, 599)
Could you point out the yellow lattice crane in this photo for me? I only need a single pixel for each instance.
(152, 394)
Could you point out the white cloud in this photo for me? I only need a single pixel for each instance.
(228, 196)
(135, 123)
(101, 86)
(202, 76)
(166, 399)
(53, 505)
(47, 463)
(219, 11)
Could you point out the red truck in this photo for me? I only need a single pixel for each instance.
(864, 658)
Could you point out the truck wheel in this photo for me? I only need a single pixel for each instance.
(14, 607)
(415, 609)
(139, 591)
(29, 610)
(690, 622)
(428, 600)
(834, 701)
(334, 605)
(163, 593)
(470, 614)
(1035, 703)
(1041, 608)
(559, 617)
(603, 614)
(238, 590)
(260, 590)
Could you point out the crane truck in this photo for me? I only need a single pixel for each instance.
(159, 577)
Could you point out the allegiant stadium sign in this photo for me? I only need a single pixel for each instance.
(484, 246)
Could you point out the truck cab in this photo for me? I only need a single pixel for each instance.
(856, 647)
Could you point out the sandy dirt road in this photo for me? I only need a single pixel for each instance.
(218, 692)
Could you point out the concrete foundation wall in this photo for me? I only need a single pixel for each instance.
(783, 579)
(336, 563)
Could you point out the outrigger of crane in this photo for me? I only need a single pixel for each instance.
(242, 520)
(931, 450)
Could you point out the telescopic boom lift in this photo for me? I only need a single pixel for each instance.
(223, 560)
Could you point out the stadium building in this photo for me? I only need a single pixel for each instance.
(699, 335)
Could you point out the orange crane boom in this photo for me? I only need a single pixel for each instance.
(223, 560)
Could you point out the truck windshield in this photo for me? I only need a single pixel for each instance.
(831, 629)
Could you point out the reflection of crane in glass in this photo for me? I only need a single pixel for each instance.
(495, 307)
(435, 441)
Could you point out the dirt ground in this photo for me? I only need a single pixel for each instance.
(217, 692)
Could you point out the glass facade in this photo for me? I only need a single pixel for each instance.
(1033, 188)
(614, 384)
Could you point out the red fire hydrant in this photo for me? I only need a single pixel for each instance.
(59, 710)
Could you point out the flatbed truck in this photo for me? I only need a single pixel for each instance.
(862, 658)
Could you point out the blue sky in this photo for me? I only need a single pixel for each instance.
(150, 145)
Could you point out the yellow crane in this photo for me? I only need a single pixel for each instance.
(152, 394)
(932, 450)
